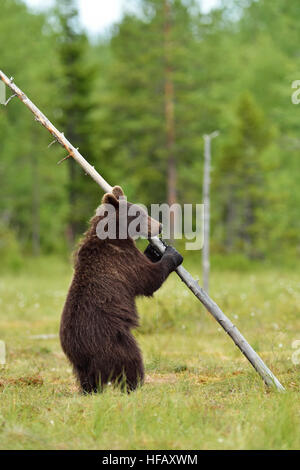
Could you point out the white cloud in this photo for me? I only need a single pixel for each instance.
(98, 15)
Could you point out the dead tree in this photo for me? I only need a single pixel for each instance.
(206, 203)
(169, 115)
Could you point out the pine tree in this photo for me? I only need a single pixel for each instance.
(149, 100)
(241, 177)
(29, 202)
(76, 107)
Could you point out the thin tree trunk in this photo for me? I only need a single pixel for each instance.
(206, 202)
(71, 230)
(35, 206)
(72, 227)
(169, 117)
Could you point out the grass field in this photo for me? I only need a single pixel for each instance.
(200, 392)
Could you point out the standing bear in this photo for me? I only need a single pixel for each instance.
(100, 311)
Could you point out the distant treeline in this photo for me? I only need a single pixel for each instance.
(137, 104)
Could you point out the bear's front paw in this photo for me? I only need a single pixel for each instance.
(174, 256)
(152, 253)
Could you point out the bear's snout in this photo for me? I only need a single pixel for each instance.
(154, 227)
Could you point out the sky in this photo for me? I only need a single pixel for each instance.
(98, 15)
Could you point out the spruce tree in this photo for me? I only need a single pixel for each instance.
(241, 178)
(76, 108)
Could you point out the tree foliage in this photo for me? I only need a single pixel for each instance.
(230, 69)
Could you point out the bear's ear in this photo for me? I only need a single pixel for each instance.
(109, 198)
(117, 191)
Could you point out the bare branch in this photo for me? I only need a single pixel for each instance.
(51, 143)
(9, 99)
(63, 159)
(59, 136)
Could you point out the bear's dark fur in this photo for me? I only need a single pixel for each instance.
(100, 310)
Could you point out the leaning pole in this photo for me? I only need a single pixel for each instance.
(258, 364)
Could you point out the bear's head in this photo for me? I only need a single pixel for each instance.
(120, 219)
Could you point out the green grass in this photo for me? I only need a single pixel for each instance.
(200, 392)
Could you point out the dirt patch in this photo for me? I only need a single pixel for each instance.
(29, 380)
(195, 378)
(161, 379)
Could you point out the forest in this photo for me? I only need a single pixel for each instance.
(231, 70)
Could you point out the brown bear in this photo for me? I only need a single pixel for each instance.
(100, 310)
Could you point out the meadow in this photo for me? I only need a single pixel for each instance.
(200, 392)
